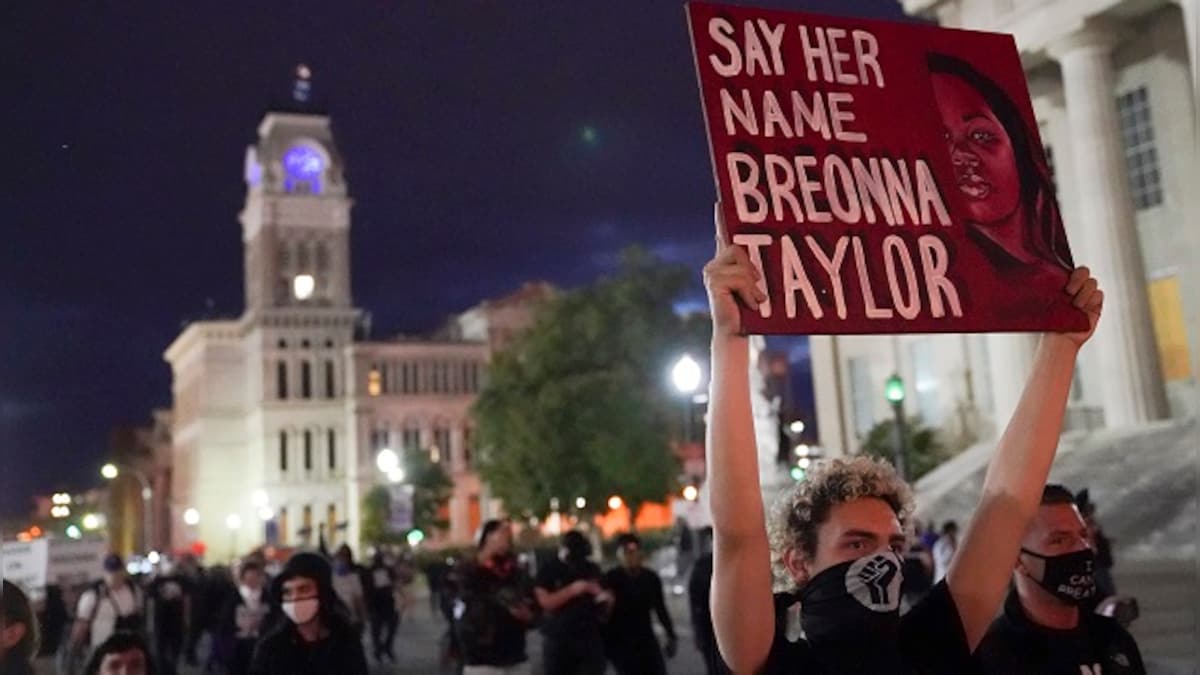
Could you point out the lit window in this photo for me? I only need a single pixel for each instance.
(1141, 154)
(374, 383)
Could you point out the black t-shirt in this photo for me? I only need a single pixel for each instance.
(581, 616)
(1014, 644)
(636, 595)
(489, 634)
(168, 593)
(932, 642)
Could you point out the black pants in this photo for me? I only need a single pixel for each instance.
(573, 655)
(168, 646)
(637, 656)
(383, 631)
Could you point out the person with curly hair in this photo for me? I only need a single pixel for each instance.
(836, 539)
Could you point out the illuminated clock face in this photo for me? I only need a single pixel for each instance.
(303, 163)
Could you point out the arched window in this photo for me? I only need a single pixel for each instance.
(283, 451)
(305, 379)
(330, 387)
(308, 450)
(332, 439)
(281, 380)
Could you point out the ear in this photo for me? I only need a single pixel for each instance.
(797, 565)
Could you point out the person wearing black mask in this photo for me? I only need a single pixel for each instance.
(18, 631)
(629, 637)
(836, 537)
(568, 589)
(316, 638)
(1044, 630)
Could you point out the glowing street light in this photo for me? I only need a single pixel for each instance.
(109, 471)
(191, 517)
(73, 532)
(686, 374)
(615, 502)
(396, 475)
(580, 502)
(233, 521)
(91, 521)
(690, 493)
(415, 537)
(796, 427)
(387, 460)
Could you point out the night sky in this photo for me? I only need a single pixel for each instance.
(487, 143)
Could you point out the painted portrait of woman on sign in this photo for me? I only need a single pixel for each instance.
(1000, 174)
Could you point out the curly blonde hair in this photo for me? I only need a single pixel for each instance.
(799, 511)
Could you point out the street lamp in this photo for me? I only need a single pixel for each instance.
(690, 493)
(686, 376)
(893, 391)
(615, 502)
(91, 521)
(110, 471)
(387, 460)
(191, 517)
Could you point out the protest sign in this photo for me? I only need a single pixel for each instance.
(400, 511)
(883, 177)
(24, 563)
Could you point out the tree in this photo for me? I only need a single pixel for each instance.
(431, 491)
(923, 449)
(579, 405)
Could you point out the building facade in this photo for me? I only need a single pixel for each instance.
(279, 414)
(1113, 89)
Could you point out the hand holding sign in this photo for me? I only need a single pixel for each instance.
(731, 279)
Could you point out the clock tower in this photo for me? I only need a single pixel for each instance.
(296, 221)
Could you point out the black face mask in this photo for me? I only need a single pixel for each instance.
(1068, 577)
(853, 604)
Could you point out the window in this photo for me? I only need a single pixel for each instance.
(468, 439)
(308, 457)
(466, 378)
(374, 383)
(305, 379)
(411, 437)
(379, 439)
(1141, 155)
(862, 395)
(332, 442)
(283, 451)
(331, 521)
(330, 388)
(441, 440)
(322, 257)
(306, 524)
(281, 380)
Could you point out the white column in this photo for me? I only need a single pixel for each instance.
(1010, 358)
(827, 389)
(1128, 367)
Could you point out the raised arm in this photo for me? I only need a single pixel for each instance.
(981, 569)
(742, 607)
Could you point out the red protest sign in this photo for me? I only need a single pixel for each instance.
(885, 177)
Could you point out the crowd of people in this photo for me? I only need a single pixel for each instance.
(839, 578)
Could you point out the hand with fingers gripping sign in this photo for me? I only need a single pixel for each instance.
(731, 279)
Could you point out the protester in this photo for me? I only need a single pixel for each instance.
(121, 654)
(917, 574)
(568, 589)
(685, 548)
(220, 589)
(317, 637)
(113, 604)
(18, 631)
(381, 607)
(244, 616)
(1106, 587)
(836, 536)
(494, 605)
(637, 591)
(1044, 629)
(169, 601)
(943, 550)
(349, 586)
(197, 589)
(699, 591)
